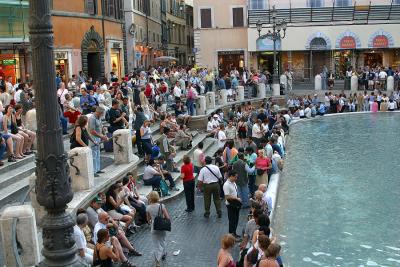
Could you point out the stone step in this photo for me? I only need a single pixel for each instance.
(14, 192)
(11, 166)
(16, 175)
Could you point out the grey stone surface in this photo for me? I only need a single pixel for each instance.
(81, 168)
(197, 238)
(122, 140)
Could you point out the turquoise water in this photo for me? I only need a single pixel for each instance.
(339, 197)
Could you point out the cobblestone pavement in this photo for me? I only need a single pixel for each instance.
(197, 238)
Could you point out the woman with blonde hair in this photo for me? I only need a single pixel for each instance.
(158, 237)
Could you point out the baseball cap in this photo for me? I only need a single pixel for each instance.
(97, 199)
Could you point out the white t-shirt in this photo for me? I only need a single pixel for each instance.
(391, 105)
(382, 75)
(97, 227)
(230, 189)
(256, 131)
(301, 112)
(221, 139)
(177, 91)
(307, 112)
(149, 172)
(207, 177)
(17, 96)
(79, 238)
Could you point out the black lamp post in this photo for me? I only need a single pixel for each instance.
(53, 182)
(278, 32)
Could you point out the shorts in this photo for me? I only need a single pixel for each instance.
(6, 136)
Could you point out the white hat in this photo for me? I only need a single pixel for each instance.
(103, 87)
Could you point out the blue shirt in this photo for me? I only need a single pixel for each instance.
(221, 84)
(87, 102)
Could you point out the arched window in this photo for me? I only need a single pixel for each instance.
(258, 4)
(315, 3)
(343, 3)
(318, 43)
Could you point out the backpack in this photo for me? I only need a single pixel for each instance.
(147, 91)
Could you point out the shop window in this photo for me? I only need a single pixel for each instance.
(206, 19)
(258, 4)
(237, 17)
(343, 3)
(315, 3)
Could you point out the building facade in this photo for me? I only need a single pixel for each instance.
(336, 34)
(144, 32)
(176, 30)
(189, 34)
(15, 60)
(88, 36)
(220, 34)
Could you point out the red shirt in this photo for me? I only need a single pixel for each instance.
(187, 170)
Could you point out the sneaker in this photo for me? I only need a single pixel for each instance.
(128, 264)
(100, 172)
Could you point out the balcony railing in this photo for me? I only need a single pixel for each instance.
(358, 13)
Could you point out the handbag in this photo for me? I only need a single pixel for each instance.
(260, 172)
(160, 222)
(14, 128)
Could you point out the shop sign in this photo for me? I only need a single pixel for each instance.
(265, 44)
(8, 62)
(116, 45)
(60, 55)
(380, 41)
(230, 52)
(348, 42)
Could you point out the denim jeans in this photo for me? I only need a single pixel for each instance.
(153, 181)
(96, 158)
(2, 149)
(243, 192)
(190, 107)
(64, 124)
(252, 184)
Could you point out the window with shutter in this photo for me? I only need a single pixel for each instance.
(205, 15)
(90, 7)
(343, 3)
(111, 8)
(238, 19)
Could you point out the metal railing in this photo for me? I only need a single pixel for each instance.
(360, 13)
(17, 249)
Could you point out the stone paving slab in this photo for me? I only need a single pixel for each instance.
(197, 238)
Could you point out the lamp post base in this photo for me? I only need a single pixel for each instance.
(276, 89)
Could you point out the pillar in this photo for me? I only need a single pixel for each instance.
(354, 83)
(26, 235)
(210, 100)
(261, 90)
(201, 105)
(240, 91)
(390, 84)
(122, 143)
(318, 82)
(224, 97)
(81, 168)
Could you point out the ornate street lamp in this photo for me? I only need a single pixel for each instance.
(53, 182)
(278, 32)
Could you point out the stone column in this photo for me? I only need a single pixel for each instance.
(261, 90)
(210, 100)
(318, 82)
(53, 183)
(122, 142)
(354, 83)
(240, 91)
(81, 163)
(276, 89)
(224, 97)
(26, 235)
(201, 105)
(390, 84)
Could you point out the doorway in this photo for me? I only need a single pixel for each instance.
(94, 70)
(373, 60)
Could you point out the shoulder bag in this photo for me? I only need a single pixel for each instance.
(160, 222)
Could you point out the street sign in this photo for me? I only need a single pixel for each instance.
(8, 62)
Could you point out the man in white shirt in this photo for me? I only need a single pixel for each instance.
(83, 251)
(232, 202)
(208, 180)
(257, 133)
(177, 90)
(221, 136)
(9, 86)
(307, 112)
(17, 95)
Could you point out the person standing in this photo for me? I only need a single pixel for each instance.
(198, 158)
(139, 121)
(188, 182)
(96, 132)
(243, 169)
(208, 180)
(158, 237)
(233, 202)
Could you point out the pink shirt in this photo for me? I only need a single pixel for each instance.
(374, 107)
(263, 163)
